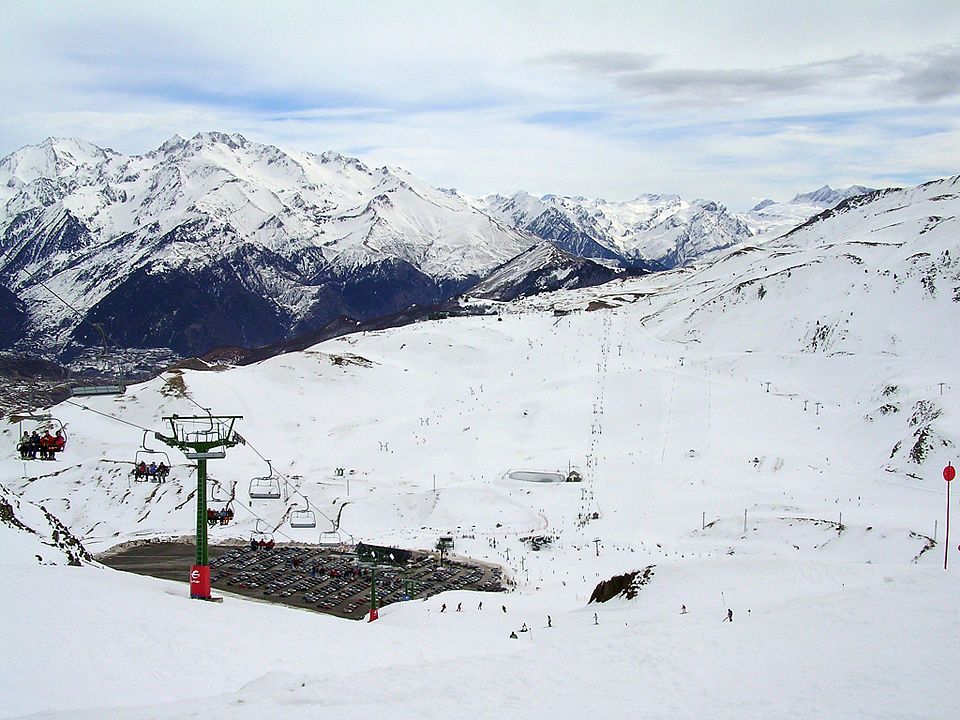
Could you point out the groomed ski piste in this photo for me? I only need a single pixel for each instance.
(767, 432)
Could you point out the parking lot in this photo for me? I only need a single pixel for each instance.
(323, 579)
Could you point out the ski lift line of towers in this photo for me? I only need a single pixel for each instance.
(768, 385)
(596, 427)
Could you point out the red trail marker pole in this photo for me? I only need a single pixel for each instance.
(949, 473)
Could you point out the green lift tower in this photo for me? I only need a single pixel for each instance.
(201, 438)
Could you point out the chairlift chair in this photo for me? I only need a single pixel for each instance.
(45, 422)
(266, 487)
(223, 516)
(113, 384)
(261, 533)
(148, 455)
(94, 390)
(305, 518)
(330, 539)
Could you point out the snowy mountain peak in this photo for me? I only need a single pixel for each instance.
(214, 137)
(331, 157)
(174, 144)
(51, 159)
(708, 205)
(542, 268)
(770, 219)
(827, 196)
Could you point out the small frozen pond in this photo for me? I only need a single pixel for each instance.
(536, 476)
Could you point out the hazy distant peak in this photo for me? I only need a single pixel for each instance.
(827, 196)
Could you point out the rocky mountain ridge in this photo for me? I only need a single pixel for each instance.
(219, 240)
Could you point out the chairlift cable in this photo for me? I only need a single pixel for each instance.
(108, 415)
(236, 500)
(83, 318)
(276, 531)
(291, 488)
(289, 485)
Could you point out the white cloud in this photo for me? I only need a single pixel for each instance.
(725, 100)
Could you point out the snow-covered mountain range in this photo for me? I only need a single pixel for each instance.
(769, 218)
(218, 240)
(653, 231)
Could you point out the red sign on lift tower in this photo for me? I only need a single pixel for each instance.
(949, 473)
(200, 582)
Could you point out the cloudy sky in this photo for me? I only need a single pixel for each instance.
(727, 100)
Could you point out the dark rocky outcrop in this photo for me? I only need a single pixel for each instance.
(627, 585)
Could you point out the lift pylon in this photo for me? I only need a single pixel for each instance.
(201, 438)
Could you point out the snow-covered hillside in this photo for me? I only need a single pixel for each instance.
(748, 428)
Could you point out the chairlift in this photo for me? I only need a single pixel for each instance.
(77, 390)
(218, 490)
(146, 456)
(266, 487)
(223, 516)
(305, 518)
(108, 386)
(46, 423)
(261, 537)
(330, 539)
